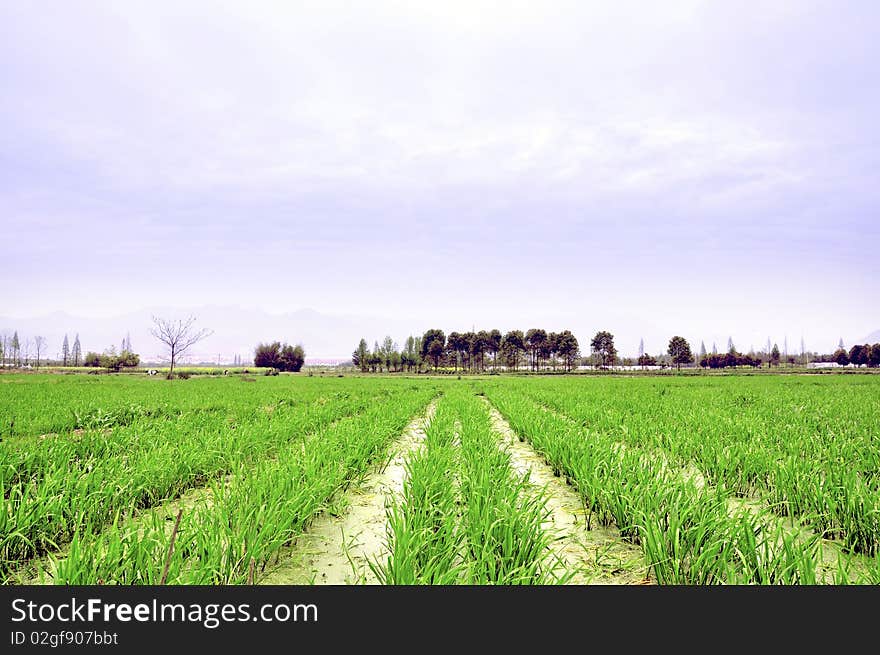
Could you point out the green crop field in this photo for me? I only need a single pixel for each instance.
(126, 479)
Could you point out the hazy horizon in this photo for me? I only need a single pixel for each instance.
(693, 168)
(237, 330)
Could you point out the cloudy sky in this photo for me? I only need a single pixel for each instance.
(703, 168)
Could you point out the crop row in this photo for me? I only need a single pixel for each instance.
(465, 516)
(809, 454)
(233, 532)
(42, 404)
(47, 404)
(689, 534)
(70, 484)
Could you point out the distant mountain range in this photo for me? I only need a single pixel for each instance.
(874, 337)
(236, 331)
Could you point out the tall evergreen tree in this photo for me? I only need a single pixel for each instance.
(417, 343)
(456, 345)
(410, 356)
(568, 348)
(550, 348)
(512, 345)
(16, 349)
(481, 347)
(602, 346)
(388, 352)
(360, 357)
(535, 339)
(680, 351)
(433, 344)
(468, 343)
(493, 346)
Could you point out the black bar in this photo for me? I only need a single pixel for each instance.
(387, 618)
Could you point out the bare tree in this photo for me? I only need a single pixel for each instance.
(39, 346)
(177, 336)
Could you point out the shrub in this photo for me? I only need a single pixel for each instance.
(274, 355)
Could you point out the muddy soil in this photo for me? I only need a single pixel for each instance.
(351, 532)
(595, 556)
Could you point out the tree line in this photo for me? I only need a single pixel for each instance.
(539, 350)
(23, 353)
(33, 352)
(177, 336)
(471, 351)
(18, 352)
(389, 356)
(604, 352)
(859, 355)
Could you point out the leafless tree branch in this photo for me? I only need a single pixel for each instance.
(177, 336)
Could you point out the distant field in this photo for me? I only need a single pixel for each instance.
(142, 370)
(493, 480)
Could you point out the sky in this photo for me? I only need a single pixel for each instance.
(707, 169)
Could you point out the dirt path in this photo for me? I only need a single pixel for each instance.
(351, 532)
(595, 556)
